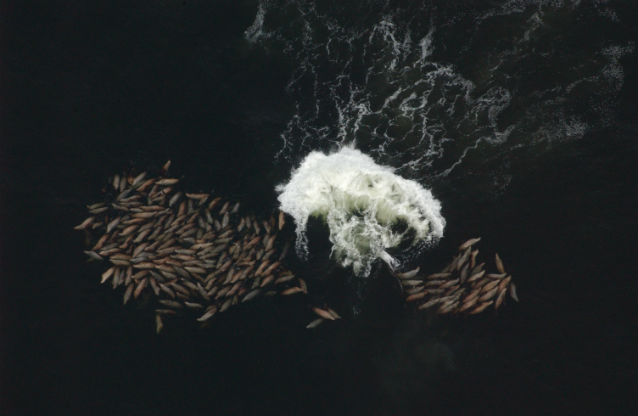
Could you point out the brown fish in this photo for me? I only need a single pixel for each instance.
(408, 275)
(140, 287)
(315, 323)
(500, 298)
(84, 224)
(209, 314)
(499, 263)
(282, 220)
(439, 275)
(167, 181)
(158, 323)
(323, 313)
(128, 293)
(429, 303)
(251, 295)
(476, 276)
(469, 243)
(416, 296)
(489, 294)
(513, 293)
(291, 291)
(108, 273)
(481, 307)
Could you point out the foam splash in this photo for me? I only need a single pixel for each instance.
(363, 204)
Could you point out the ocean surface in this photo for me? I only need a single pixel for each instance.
(520, 117)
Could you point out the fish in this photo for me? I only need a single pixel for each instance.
(505, 282)
(167, 181)
(251, 295)
(323, 313)
(467, 304)
(416, 296)
(128, 292)
(159, 325)
(213, 203)
(167, 290)
(469, 243)
(315, 323)
(140, 287)
(473, 258)
(271, 268)
(171, 303)
(95, 206)
(174, 199)
(408, 275)
(499, 263)
(439, 275)
(496, 275)
(84, 224)
(463, 259)
(284, 251)
(155, 287)
(226, 305)
(112, 224)
(284, 278)
(429, 303)
(489, 286)
(166, 166)
(108, 273)
(303, 285)
(291, 291)
(266, 280)
(129, 230)
(100, 242)
(282, 220)
(500, 298)
(210, 311)
(138, 179)
(270, 242)
(477, 268)
(165, 312)
(93, 255)
(513, 293)
(334, 314)
(447, 307)
(489, 294)
(145, 185)
(476, 276)
(464, 272)
(481, 307)
(141, 236)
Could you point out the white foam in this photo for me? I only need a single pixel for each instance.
(359, 200)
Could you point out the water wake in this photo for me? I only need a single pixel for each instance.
(367, 207)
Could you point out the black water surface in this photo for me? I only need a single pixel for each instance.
(92, 88)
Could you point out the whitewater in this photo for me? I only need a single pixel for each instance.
(367, 208)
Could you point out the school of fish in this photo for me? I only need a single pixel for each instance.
(197, 253)
(462, 287)
(185, 251)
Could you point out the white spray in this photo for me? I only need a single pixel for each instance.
(359, 201)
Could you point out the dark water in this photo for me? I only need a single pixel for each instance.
(520, 116)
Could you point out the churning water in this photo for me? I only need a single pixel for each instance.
(367, 207)
(448, 96)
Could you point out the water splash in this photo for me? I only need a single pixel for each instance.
(367, 207)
